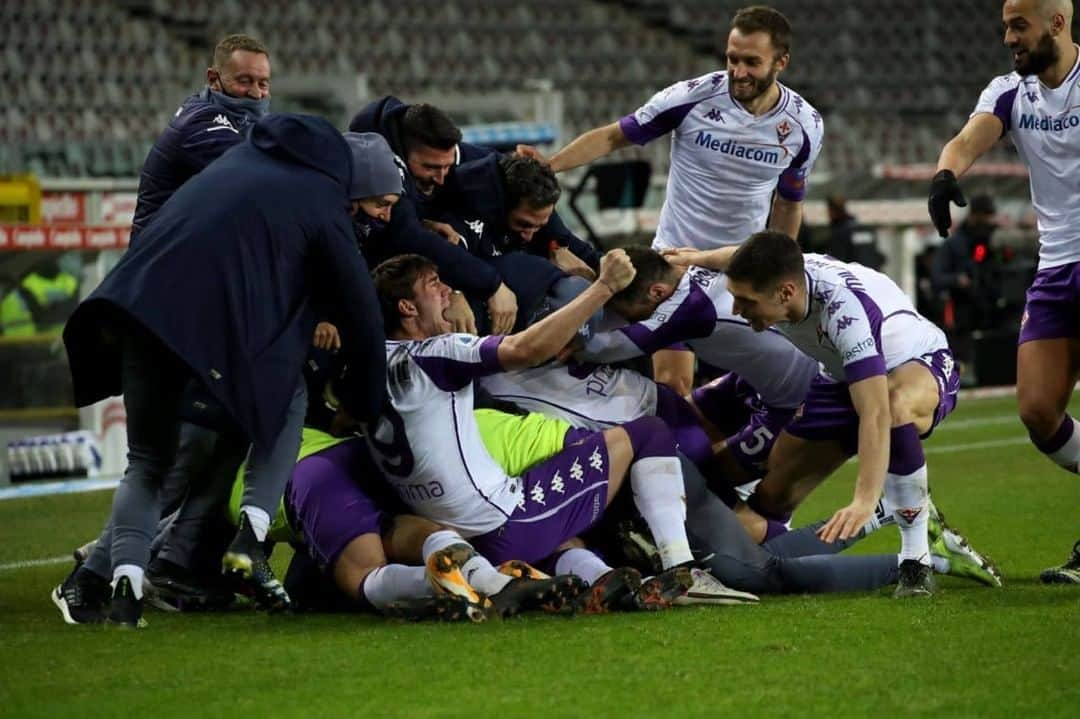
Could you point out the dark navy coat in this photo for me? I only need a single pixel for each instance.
(227, 272)
(198, 133)
(406, 233)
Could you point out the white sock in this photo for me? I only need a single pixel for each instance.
(478, 570)
(660, 496)
(908, 495)
(259, 521)
(941, 564)
(1068, 455)
(393, 582)
(133, 573)
(583, 563)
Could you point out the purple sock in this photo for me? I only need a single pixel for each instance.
(774, 529)
(650, 437)
(905, 450)
(1058, 439)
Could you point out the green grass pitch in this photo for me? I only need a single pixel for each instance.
(970, 651)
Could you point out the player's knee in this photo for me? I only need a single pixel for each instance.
(1041, 418)
(650, 437)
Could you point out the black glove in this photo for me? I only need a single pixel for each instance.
(944, 189)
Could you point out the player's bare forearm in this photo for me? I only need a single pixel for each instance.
(786, 216)
(978, 135)
(543, 340)
(717, 259)
(871, 399)
(589, 146)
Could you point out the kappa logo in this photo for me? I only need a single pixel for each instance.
(477, 226)
(576, 471)
(717, 79)
(222, 123)
(557, 484)
(833, 307)
(691, 84)
(537, 495)
(798, 101)
(844, 322)
(783, 130)
(715, 115)
(1032, 96)
(909, 513)
(817, 118)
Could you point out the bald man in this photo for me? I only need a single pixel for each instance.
(1037, 106)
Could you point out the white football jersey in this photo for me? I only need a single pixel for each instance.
(859, 323)
(589, 396)
(427, 441)
(725, 162)
(1044, 124)
(699, 313)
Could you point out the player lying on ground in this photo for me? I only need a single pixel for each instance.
(428, 445)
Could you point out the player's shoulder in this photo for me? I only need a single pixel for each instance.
(696, 88)
(799, 109)
(1004, 83)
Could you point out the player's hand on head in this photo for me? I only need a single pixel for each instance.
(502, 308)
(944, 189)
(327, 337)
(682, 256)
(571, 264)
(616, 270)
(530, 151)
(444, 230)
(460, 314)
(847, 522)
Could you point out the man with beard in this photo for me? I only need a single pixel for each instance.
(1036, 105)
(737, 136)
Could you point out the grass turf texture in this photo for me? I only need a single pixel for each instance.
(970, 651)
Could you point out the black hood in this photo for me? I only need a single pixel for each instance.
(384, 117)
(304, 140)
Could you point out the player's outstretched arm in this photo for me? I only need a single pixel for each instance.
(979, 135)
(541, 341)
(589, 146)
(871, 399)
(717, 259)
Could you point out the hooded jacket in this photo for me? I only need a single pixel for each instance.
(199, 132)
(226, 273)
(406, 233)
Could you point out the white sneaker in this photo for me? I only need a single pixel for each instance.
(707, 589)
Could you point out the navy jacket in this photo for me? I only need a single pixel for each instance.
(227, 272)
(199, 132)
(405, 232)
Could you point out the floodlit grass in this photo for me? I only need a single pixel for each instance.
(970, 651)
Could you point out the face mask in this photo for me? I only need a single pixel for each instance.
(242, 105)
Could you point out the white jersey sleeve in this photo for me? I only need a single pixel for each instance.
(852, 324)
(666, 110)
(454, 360)
(998, 98)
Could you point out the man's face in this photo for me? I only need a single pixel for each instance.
(752, 64)
(1027, 35)
(429, 165)
(378, 207)
(761, 309)
(245, 74)
(526, 221)
(431, 298)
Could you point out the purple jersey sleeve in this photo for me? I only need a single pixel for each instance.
(453, 361)
(852, 322)
(792, 183)
(998, 98)
(688, 314)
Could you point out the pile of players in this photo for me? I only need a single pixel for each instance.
(451, 434)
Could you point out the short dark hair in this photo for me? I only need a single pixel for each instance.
(528, 181)
(650, 266)
(761, 18)
(765, 259)
(427, 125)
(231, 43)
(394, 280)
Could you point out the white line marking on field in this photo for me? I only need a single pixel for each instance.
(35, 563)
(978, 422)
(988, 444)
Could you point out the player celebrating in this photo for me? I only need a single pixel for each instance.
(1036, 106)
(888, 380)
(526, 516)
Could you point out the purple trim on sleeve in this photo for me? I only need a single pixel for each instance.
(866, 367)
(792, 184)
(450, 375)
(694, 318)
(1003, 109)
(663, 123)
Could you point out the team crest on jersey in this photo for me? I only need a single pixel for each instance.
(783, 131)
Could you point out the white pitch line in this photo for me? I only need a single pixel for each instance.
(988, 444)
(998, 419)
(35, 563)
